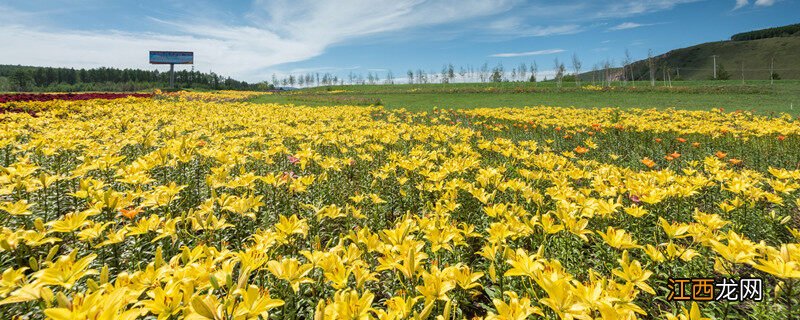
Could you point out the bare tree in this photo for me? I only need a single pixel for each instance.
(559, 69)
(607, 71)
(534, 70)
(410, 75)
(389, 77)
(576, 65)
(651, 66)
(523, 72)
(625, 66)
(484, 71)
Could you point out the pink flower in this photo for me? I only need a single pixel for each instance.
(293, 159)
(635, 199)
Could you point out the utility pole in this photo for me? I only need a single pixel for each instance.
(715, 66)
(771, 72)
(742, 72)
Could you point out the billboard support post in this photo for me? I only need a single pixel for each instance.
(172, 75)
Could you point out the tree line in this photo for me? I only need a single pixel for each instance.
(26, 78)
(448, 74)
(784, 31)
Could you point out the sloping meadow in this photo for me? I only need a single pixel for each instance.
(118, 209)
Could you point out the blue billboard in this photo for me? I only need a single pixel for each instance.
(171, 57)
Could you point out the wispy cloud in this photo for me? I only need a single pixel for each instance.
(758, 3)
(741, 3)
(628, 25)
(624, 9)
(524, 54)
(765, 3)
(519, 27)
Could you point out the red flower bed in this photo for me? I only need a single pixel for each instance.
(13, 97)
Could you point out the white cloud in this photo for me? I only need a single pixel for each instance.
(276, 32)
(524, 54)
(518, 27)
(626, 25)
(757, 3)
(622, 9)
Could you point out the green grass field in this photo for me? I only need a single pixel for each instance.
(758, 96)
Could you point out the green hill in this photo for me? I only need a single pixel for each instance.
(776, 48)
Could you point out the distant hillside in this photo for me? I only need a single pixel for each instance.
(779, 45)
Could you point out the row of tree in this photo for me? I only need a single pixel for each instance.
(627, 71)
(523, 72)
(448, 74)
(25, 78)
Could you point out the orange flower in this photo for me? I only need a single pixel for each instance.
(658, 139)
(618, 127)
(781, 137)
(696, 144)
(581, 150)
(735, 161)
(675, 155)
(721, 154)
(590, 133)
(567, 136)
(558, 129)
(130, 213)
(649, 163)
(681, 140)
(668, 158)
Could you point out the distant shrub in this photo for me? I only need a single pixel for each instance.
(722, 74)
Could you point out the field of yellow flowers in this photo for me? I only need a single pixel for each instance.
(182, 208)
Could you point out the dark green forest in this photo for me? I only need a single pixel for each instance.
(784, 31)
(48, 79)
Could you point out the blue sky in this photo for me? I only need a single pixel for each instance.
(251, 40)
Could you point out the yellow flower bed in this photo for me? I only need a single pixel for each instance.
(138, 208)
(219, 95)
(712, 123)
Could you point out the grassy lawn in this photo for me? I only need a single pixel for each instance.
(758, 96)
